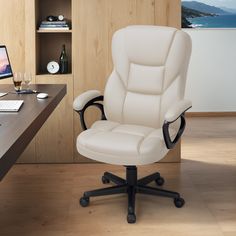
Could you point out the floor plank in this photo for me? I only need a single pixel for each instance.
(44, 199)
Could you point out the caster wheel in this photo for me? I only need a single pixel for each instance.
(179, 202)
(84, 201)
(131, 218)
(105, 180)
(160, 181)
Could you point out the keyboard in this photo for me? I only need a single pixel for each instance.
(10, 105)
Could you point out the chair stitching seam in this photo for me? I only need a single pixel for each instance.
(169, 49)
(126, 91)
(141, 141)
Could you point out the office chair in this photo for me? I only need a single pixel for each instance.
(142, 110)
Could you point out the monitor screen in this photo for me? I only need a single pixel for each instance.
(5, 66)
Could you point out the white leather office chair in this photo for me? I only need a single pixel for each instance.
(142, 110)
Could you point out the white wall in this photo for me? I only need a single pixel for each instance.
(211, 81)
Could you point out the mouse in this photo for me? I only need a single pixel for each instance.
(42, 95)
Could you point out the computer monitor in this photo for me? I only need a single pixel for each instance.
(5, 66)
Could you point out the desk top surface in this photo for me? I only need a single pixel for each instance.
(18, 128)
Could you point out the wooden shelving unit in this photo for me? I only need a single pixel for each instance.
(54, 31)
(54, 141)
(48, 49)
(56, 76)
(49, 42)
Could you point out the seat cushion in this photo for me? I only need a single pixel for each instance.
(122, 144)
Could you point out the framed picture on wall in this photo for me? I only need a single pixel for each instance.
(209, 14)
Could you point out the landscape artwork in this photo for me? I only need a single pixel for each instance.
(209, 14)
(5, 68)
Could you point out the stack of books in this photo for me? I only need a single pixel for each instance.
(54, 25)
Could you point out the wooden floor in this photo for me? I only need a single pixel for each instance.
(42, 200)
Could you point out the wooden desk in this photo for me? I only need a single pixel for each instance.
(17, 129)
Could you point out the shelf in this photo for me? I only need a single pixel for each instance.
(49, 41)
(54, 31)
(54, 79)
(46, 8)
(54, 75)
(48, 48)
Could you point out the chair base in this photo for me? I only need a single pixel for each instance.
(131, 185)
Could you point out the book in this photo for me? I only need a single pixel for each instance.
(54, 22)
(54, 28)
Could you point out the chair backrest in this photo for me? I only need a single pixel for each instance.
(150, 66)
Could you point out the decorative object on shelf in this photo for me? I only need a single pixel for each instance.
(53, 67)
(61, 17)
(63, 61)
(51, 18)
(54, 23)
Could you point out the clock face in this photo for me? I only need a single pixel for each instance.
(53, 67)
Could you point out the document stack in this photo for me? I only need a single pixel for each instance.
(54, 25)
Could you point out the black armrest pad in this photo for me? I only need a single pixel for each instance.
(165, 128)
(92, 102)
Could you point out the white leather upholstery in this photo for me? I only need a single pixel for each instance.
(150, 65)
(122, 144)
(85, 97)
(177, 109)
(149, 75)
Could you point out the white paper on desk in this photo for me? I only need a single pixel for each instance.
(2, 94)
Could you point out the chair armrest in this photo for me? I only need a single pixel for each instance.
(177, 109)
(174, 113)
(85, 100)
(80, 101)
